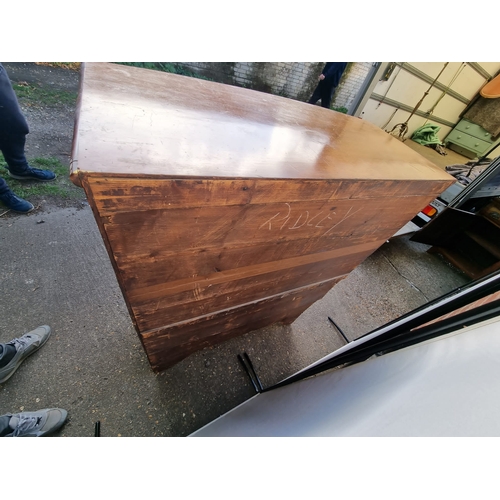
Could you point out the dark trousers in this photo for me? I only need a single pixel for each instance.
(13, 129)
(323, 91)
(4, 425)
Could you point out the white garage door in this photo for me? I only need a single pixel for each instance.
(394, 97)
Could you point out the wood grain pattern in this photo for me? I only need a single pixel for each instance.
(162, 306)
(237, 209)
(115, 194)
(169, 345)
(213, 228)
(152, 123)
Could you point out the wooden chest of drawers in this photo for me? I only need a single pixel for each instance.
(223, 209)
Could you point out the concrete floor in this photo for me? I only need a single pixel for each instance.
(441, 161)
(94, 366)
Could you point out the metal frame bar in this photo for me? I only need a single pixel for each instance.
(366, 89)
(477, 67)
(441, 86)
(448, 325)
(398, 333)
(477, 184)
(409, 109)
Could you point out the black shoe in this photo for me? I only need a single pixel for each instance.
(10, 200)
(34, 174)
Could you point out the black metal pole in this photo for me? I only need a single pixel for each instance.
(338, 329)
(248, 367)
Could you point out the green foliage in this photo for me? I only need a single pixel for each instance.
(167, 67)
(32, 95)
(340, 109)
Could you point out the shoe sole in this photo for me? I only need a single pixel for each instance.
(30, 178)
(20, 211)
(19, 363)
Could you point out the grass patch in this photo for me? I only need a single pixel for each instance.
(32, 95)
(340, 109)
(61, 187)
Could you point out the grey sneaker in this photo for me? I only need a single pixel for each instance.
(25, 345)
(36, 423)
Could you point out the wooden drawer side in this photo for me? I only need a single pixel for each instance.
(167, 346)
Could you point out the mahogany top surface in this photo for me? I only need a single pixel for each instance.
(143, 122)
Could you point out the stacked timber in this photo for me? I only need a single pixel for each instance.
(225, 210)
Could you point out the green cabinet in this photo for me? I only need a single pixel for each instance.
(469, 139)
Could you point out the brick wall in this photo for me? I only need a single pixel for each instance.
(352, 81)
(295, 80)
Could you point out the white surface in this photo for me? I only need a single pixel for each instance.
(449, 386)
(409, 227)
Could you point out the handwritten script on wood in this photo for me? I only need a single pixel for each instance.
(287, 219)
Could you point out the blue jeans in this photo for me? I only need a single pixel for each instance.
(13, 129)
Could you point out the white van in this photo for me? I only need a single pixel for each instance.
(432, 372)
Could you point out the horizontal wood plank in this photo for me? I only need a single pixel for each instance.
(143, 270)
(173, 302)
(167, 346)
(214, 227)
(120, 194)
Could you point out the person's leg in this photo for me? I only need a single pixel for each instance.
(316, 94)
(13, 126)
(3, 186)
(326, 96)
(24, 346)
(4, 425)
(13, 202)
(12, 147)
(7, 352)
(13, 131)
